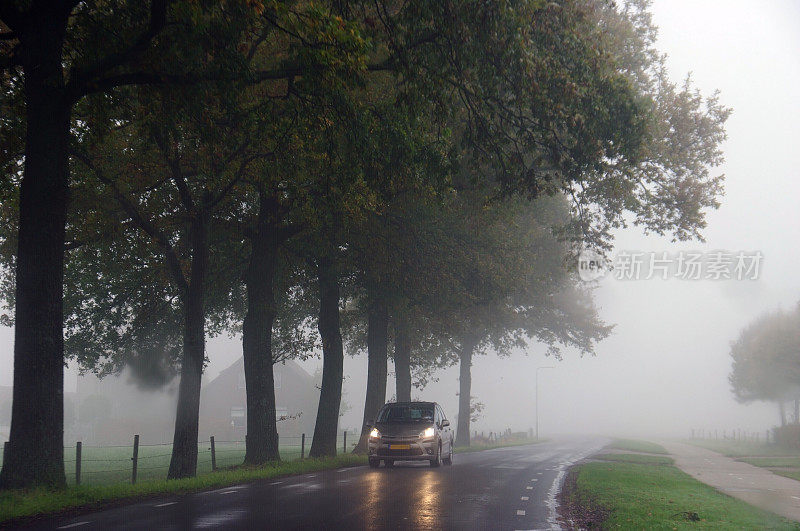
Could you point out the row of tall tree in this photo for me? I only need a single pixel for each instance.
(401, 174)
(766, 362)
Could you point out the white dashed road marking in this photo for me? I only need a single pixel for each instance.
(76, 524)
(520, 512)
(529, 487)
(164, 504)
(524, 498)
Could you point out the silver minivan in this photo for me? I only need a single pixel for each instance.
(411, 431)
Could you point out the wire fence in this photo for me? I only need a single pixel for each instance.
(736, 434)
(106, 465)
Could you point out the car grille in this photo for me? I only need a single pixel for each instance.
(414, 450)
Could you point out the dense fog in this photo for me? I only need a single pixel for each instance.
(664, 369)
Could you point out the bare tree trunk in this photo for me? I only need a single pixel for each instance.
(184, 444)
(377, 339)
(330, 396)
(464, 390)
(262, 430)
(782, 411)
(402, 360)
(796, 411)
(35, 453)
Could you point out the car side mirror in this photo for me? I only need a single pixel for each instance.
(445, 423)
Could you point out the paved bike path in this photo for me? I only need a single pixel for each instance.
(754, 485)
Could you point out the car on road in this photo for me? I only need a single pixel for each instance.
(410, 431)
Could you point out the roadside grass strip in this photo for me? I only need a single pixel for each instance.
(730, 448)
(791, 473)
(18, 504)
(480, 447)
(655, 496)
(769, 462)
(642, 459)
(21, 505)
(783, 466)
(632, 445)
(777, 459)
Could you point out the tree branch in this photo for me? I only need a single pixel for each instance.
(80, 77)
(10, 16)
(163, 78)
(178, 176)
(128, 206)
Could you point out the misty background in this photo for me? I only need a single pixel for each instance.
(665, 368)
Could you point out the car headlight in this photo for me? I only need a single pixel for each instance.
(374, 434)
(427, 434)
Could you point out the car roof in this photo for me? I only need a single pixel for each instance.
(414, 402)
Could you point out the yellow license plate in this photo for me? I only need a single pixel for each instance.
(399, 447)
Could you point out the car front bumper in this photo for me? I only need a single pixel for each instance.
(402, 449)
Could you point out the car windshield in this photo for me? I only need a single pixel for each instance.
(407, 413)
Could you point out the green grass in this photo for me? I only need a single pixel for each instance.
(659, 496)
(480, 447)
(20, 504)
(109, 465)
(637, 458)
(632, 445)
(768, 462)
(782, 461)
(743, 448)
(792, 474)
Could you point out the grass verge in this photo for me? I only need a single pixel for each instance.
(641, 459)
(778, 460)
(788, 473)
(20, 504)
(480, 447)
(632, 445)
(769, 462)
(743, 448)
(654, 496)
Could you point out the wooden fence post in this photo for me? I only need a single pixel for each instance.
(213, 456)
(135, 458)
(78, 447)
(302, 446)
(344, 444)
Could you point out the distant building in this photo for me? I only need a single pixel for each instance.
(110, 410)
(223, 402)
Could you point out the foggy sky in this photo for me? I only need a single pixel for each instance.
(665, 368)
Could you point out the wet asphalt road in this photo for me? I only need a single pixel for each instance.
(503, 488)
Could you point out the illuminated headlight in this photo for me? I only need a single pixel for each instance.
(374, 434)
(427, 434)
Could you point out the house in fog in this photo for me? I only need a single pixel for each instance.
(223, 402)
(111, 410)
